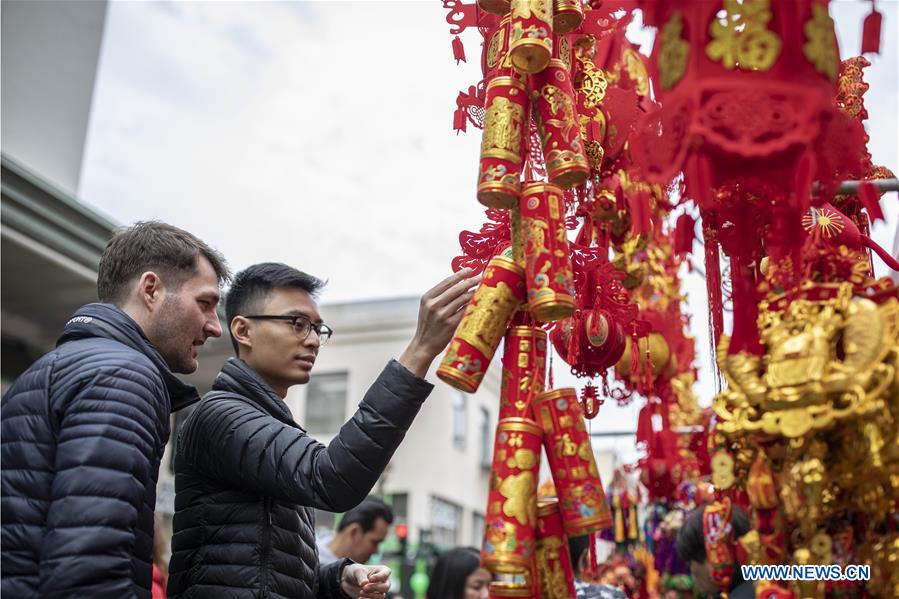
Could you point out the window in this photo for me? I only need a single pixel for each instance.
(477, 529)
(445, 521)
(326, 403)
(484, 430)
(459, 404)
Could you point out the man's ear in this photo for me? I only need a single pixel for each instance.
(354, 529)
(240, 329)
(150, 290)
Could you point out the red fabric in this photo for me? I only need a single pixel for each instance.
(160, 580)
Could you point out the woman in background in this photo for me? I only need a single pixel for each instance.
(458, 575)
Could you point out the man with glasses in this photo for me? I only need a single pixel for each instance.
(247, 476)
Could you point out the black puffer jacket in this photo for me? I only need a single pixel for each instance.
(247, 476)
(83, 432)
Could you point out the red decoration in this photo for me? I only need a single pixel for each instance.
(502, 146)
(547, 257)
(511, 520)
(554, 567)
(486, 319)
(563, 152)
(571, 461)
(871, 31)
(524, 370)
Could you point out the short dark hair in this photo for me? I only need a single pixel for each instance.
(576, 548)
(171, 252)
(366, 514)
(450, 571)
(691, 539)
(252, 285)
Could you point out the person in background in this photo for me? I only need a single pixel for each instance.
(579, 549)
(458, 574)
(691, 549)
(84, 428)
(359, 534)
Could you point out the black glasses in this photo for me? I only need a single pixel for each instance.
(301, 324)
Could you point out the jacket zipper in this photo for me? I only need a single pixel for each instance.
(266, 540)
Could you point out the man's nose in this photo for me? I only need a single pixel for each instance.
(213, 327)
(312, 339)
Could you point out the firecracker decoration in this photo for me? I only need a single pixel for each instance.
(573, 466)
(497, 298)
(548, 269)
(554, 567)
(512, 502)
(502, 146)
(524, 370)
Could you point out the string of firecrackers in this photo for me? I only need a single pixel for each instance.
(806, 431)
(560, 97)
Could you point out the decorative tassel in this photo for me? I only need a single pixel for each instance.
(459, 121)
(619, 519)
(590, 401)
(632, 533)
(716, 303)
(639, 211)
(867, 193)
(552, 384)
(684, 234)
(458, 50)
(594, 559)
(871, 31)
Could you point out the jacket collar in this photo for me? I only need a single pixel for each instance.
(110, 322)
(237, 377)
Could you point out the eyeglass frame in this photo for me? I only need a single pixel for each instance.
(292, 319)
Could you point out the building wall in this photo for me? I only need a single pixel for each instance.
(49, 62)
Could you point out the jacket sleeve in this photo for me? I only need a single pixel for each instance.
(105, 467)
(329, 580)
(231, 441)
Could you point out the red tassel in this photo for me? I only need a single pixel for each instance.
(458, 50)
(639, 211)
(871, 31)
(869, 196)
(684, 234)
(459, 121)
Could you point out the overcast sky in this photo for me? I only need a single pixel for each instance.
(320, 134)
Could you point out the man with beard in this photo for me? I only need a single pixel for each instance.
(84, 428)
(247, 476)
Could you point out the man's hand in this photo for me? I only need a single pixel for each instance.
(439, 313)
(365, 582)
